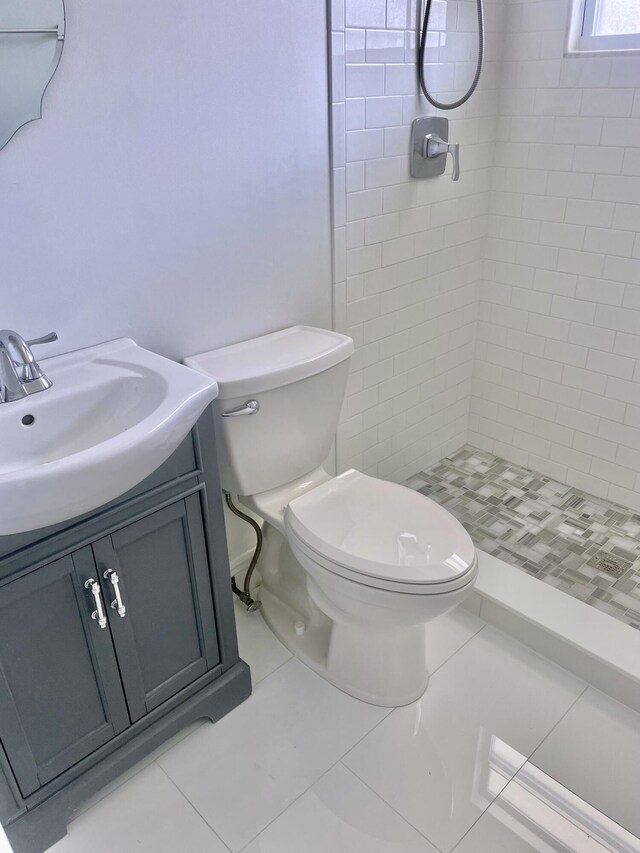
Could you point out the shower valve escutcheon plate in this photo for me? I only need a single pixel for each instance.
(430, 146)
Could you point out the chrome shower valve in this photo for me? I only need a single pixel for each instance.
(433, 146)
(430, 146)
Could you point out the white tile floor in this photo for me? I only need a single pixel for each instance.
(505, 753)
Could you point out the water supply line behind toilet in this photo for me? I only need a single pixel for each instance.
(244, 594)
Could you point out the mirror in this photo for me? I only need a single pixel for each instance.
(31, 40)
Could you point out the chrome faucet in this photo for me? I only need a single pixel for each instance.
(20, 373)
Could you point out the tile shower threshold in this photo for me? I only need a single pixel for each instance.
(603, 651)
(559, 568)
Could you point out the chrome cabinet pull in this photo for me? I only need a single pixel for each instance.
(117, 604)
(98, 614)
(251, 407)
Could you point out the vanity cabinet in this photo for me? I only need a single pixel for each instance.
(164, 632)
(116, 630)
(60, 693)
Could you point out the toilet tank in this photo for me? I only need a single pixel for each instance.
(298, 378)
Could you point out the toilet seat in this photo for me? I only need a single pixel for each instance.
(382, 535)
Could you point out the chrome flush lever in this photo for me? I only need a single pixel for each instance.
(251, 407)
(433, 146)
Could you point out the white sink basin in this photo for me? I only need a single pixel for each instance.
(114, 414)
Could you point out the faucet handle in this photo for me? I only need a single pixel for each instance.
(45, 339)
(30, 370)
(433, 146)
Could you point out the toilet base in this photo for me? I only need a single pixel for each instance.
(341, 655)
(385, 667)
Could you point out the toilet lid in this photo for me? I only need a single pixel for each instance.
(381, 530)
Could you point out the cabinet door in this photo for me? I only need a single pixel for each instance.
(166, 635)
(60, 692)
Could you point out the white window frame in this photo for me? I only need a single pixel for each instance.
(583, 14)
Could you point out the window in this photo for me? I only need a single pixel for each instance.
(605, 25)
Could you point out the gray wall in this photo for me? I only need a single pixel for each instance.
(177, 188)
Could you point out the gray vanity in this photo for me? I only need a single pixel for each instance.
(116, 631)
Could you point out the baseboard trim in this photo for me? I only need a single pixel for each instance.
(240, 564)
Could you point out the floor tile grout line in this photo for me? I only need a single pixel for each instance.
(511, 778)
(549, 733)
(302, 793)
(557, 723)
(121, 780)
(501, 632)
(480, 816)
(315, 781)
(341, 761)
(551, 805)
(286, 808)
(386, 717)
(351, 748)
(269, 674)
(538, 745)
(525, 762)
(328, 770)
(147, 764)
(392, 807)
(459, 649)
(188, 801)
(495, 799)
(107, 794)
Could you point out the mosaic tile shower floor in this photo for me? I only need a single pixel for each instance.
(586, 546)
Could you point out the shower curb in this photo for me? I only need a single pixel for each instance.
(593, 645)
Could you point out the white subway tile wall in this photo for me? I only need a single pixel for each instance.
(503, 310)
(408, 254)
(557, 378)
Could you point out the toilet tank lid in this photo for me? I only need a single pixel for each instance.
(273, 360)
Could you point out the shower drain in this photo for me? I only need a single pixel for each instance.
(606, 562)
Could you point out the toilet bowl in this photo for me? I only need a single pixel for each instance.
(353, 567)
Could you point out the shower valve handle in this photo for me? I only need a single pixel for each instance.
(433, 146)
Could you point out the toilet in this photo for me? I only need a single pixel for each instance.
(352, 567)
